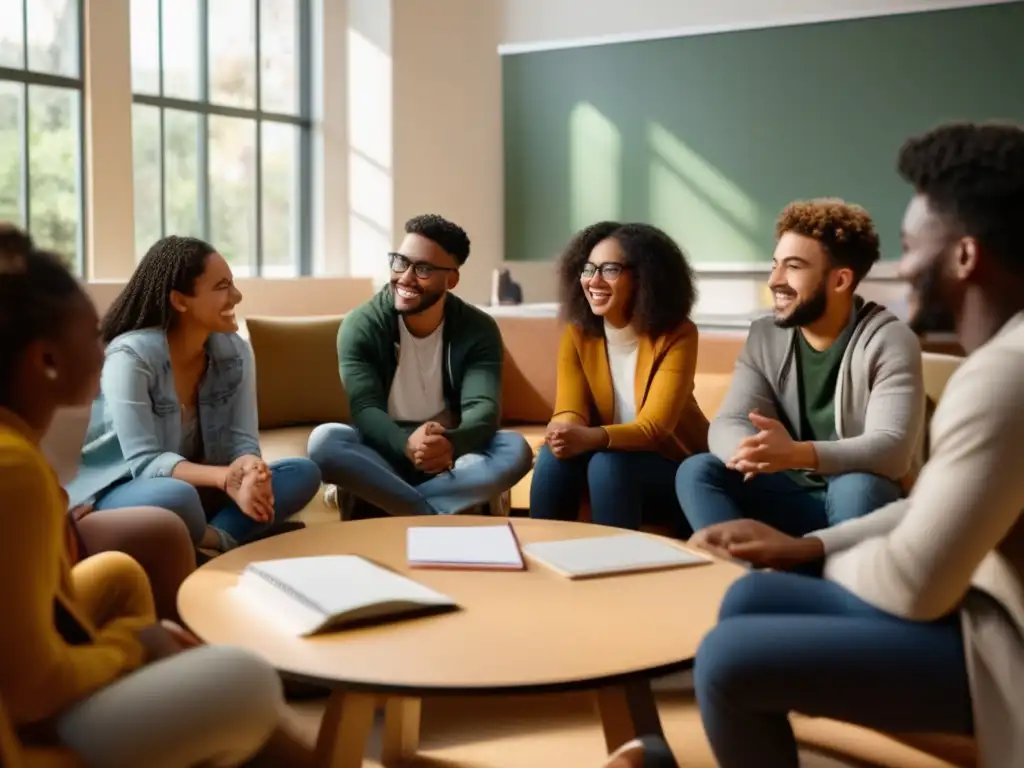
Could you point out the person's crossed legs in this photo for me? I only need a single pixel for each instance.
(790, 643)
(294, 482)
(625, 488)
(346, 461)
(711, 493)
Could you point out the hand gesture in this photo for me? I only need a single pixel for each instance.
(248, 485)
(770, 450)
(428, 449)
(569, 440)
(758, 544)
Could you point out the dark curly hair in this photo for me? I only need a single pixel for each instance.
(665, 290)
(845, 231)
(35, 293)
(171, 264)
(452, 238)
(975, 175)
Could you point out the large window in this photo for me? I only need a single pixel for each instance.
(220, 127)
(41, 121)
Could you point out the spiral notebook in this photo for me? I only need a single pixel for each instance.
(310, 595)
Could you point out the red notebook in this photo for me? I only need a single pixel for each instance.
(466, 547)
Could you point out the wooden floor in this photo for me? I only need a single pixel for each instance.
(561, 731)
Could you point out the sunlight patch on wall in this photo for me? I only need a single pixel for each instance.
(369, 95)
(707, 235)
(595, 170)
(370, 182)
(704, 177)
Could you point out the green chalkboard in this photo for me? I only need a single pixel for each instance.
(710, 136)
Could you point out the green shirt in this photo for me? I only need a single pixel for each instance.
(818, 373)
(473, 357)
(817, 376)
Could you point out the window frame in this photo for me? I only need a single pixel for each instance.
(27, 77)
(204, 108)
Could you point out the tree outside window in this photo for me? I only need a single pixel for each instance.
(221, 130)
(41, 122)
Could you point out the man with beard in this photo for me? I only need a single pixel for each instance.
(824, 415)
(422, 371)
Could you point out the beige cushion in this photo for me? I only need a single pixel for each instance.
(297, 379)
(530, 369)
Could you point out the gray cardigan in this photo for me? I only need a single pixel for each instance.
(880, 400)
(957, 543)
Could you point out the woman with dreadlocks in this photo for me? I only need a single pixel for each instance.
(175, 425)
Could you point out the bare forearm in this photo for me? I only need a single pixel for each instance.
(804, 456)
(201, 475)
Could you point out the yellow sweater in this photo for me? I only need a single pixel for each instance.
(41, 672)
(668, 419)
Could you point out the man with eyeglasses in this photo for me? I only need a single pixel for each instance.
(422, 371)
(824, 417)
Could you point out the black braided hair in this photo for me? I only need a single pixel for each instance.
(35, 293)
(171, 264)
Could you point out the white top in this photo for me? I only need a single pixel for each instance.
(417, 393)
(960, 534)
(622, 345)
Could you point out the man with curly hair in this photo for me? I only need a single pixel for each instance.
(422, 371)
(824, 416)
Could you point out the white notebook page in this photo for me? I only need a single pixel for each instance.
(599, 555)
(484, 545)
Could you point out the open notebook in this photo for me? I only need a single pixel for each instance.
(607, 555)
(468, 547)
(307, 595)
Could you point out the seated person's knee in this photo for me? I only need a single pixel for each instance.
(327, 439)
(701, 468)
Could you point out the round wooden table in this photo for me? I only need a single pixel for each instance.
(518, 632)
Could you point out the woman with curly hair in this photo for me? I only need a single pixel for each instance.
(625, 414)
(175, 425)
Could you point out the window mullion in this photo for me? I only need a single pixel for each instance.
(259, 147)
(26, 186)
(305, 181)
(203, 159)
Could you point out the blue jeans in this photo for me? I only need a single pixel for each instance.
(476, 478)
(710, 493)
(295, 482)
(626, 488)
(791, 643)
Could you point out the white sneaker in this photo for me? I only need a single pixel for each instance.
(331, 497)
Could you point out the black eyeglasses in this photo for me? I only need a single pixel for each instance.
(610, 270)
(399, 264)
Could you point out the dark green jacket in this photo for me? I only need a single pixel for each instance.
(471, 364)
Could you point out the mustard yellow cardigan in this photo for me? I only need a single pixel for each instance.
(42, 671)
(668, 419)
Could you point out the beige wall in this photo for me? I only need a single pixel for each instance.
(447, 124)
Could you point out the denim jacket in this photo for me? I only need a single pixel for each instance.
(135, 427)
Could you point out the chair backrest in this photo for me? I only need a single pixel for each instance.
(938, 368)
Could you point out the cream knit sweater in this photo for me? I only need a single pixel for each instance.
(957, 543)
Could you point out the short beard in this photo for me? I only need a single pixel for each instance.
(427, 300)
(806, 312)
(932, 315)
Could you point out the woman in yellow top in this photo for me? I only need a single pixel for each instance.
(83, 661)
(625, 415)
